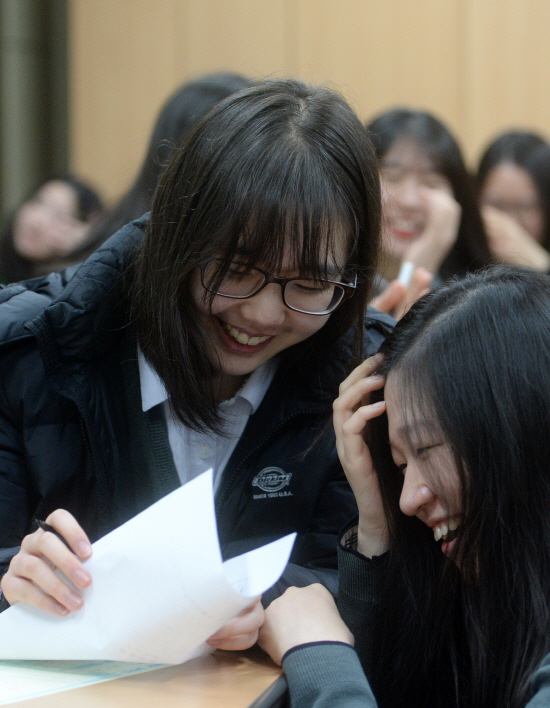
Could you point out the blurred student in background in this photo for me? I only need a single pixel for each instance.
(429, 209)
(180, 112)
(53, 222)
(514, 194)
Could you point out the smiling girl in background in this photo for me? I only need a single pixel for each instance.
(47, 228)
(445, 578)
(429, 209)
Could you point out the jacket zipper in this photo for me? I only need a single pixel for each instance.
(102, 516)
(85, 436)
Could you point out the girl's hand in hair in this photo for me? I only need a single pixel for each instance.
(300, 616)
(352, 411)
(397, 298)
(510, 243)
(31, 577)
(242, 631)
(442, 223)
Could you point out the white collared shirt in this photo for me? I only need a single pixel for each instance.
(193, 452)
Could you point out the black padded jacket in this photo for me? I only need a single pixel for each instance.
(67, 438)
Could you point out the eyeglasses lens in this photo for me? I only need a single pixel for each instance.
(313, 296)
(240, 281)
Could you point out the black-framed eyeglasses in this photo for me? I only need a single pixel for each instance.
(307, 295)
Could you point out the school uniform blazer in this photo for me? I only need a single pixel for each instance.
(73, 436)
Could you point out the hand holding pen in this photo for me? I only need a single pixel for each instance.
(59, 542)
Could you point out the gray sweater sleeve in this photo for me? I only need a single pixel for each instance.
(323, 675)
(327, 675)
(359, 594)
(541, 686)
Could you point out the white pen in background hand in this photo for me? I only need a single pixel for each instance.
(411, 283)
(405, 273)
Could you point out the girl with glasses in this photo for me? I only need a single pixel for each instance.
(445, 576)
(212, 333)
(431, 220)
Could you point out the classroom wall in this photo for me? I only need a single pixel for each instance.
(482, 66)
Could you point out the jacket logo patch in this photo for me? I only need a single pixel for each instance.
(271, 480)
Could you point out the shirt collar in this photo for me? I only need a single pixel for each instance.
(152, 388)
(254, 389)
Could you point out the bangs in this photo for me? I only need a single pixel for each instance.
(283, 181)
(284, 212)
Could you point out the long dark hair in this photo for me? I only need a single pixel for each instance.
(14, 267)
(281, 165)
(180, 112)
(471, 249)
(475, 356)
(528, 151)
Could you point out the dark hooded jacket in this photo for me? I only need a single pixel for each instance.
(73, 436)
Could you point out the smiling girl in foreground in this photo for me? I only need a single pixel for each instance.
(445, 579)
(211, 335)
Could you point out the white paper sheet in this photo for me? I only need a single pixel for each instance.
(159, 589)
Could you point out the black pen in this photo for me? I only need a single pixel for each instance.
(46, 527)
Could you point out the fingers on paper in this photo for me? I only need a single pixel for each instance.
(53, 553)
(31, 577)
(17, 589)
(36, 573)
(66, 525)
(242, 631)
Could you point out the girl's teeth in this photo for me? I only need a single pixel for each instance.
(242, 337)
(442, 530)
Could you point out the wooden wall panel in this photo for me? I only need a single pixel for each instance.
(481, 66)
(246, 36)
(127, 56)
(383, 53)
(506, 69)
(122, 68)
